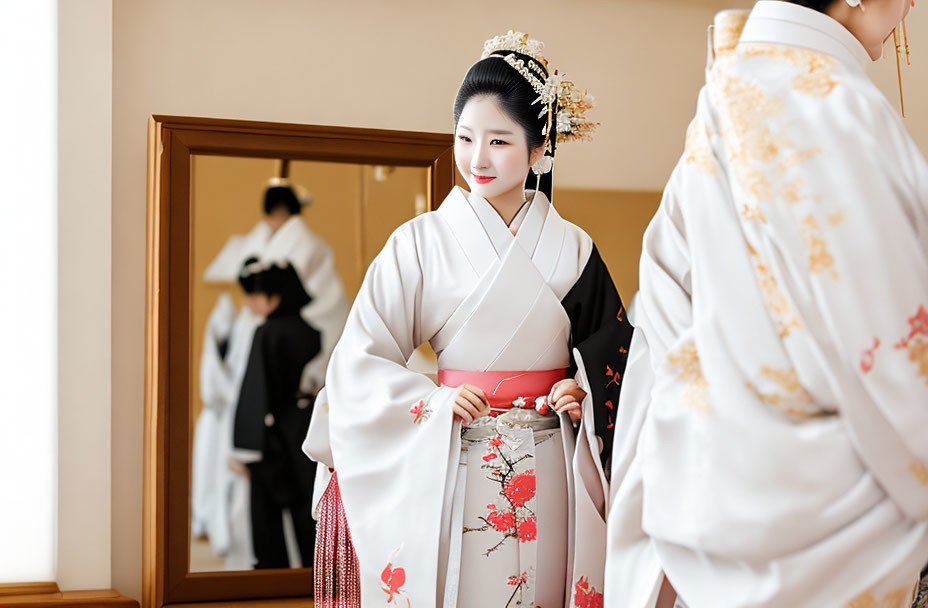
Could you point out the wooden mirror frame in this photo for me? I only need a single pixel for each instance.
(166, 577)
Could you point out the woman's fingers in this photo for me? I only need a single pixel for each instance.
(478, 392)
(468, 399)
(566, 401)
(462, 414)
(570, 406)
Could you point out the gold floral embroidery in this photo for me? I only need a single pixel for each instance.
(836, 218)
(920, 471)
(685, 361)
(815, 76)
(697, 151)
(794, 158)
(820, 259)
(776, 301)
(793, 192)
(918, 354)
(899, 598)
(752, 213)
(789, 395)
(916, 342)
(759, 156)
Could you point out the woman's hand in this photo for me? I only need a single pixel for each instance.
(565, 396)
(469, 403)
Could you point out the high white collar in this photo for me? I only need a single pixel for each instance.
(778, 22)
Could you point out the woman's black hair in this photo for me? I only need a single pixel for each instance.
(494, 76)
(281, 196)
(246, 278)
(818, 5)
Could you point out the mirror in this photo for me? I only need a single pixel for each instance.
(259, 235)
(279, 248)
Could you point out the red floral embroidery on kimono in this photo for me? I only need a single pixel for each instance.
(916, 342)
(521, 488)
(528, 530)
(421, 411)
(392, 579)
(502, 521)
(585, 596)
(867, 359)
(515, 517)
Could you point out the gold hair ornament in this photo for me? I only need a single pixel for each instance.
(565, 104)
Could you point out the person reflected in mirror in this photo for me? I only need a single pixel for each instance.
(273, 415)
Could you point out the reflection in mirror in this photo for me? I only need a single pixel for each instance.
(279, 250)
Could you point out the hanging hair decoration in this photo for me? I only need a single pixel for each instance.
(563, 102)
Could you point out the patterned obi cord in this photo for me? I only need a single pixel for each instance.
(506, 390)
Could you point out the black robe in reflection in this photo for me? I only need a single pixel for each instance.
(273, 417)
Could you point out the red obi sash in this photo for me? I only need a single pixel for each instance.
(506, 390)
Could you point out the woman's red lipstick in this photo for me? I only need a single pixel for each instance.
(480, 179)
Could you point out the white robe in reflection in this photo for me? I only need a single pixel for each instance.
(771, 437)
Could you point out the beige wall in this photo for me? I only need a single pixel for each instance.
(389, 65)
(84, 297)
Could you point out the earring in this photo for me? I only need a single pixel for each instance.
(899, 52)
(544, 165)
(856, 3)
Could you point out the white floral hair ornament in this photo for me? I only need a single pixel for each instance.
(564, 103)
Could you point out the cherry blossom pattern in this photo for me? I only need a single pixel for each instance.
(513, 516)
(392, 579)
(421, 411)
(867, 359)
(518, 582)
(585, 595)
(916, 342)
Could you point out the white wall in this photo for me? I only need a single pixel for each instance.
(392, 65)
(28, 226)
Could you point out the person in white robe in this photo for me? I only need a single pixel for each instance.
(220, 487)
(478, 491)
(770, 447)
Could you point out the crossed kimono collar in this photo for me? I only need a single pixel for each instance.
(528, 221)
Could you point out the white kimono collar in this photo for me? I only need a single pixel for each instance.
(778, 22)
(529, 222)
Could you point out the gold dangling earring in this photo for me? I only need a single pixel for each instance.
(899, 52)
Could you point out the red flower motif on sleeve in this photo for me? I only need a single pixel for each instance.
(392, 579)
(521, 488)
(421, 411)
(585, 596)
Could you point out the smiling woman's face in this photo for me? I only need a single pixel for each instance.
(490, 149)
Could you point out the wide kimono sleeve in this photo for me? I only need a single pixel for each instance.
(389, 431)
(859, 242)
(663, 308)
(600, 335)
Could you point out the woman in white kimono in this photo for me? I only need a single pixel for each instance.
(771, 433)
(478, 491)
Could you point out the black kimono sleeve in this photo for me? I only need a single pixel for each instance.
(600, 331)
